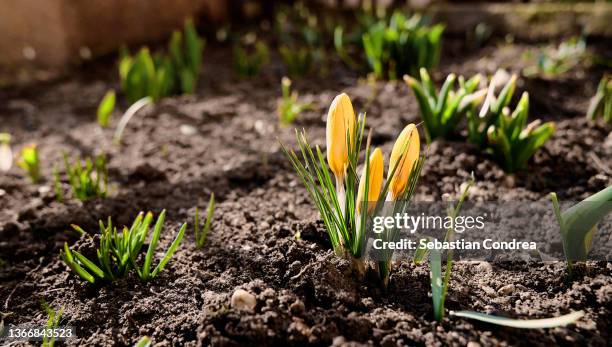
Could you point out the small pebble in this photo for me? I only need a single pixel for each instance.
(188, 130)
(241, 299)
(507, 289)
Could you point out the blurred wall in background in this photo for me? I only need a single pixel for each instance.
(39, 37)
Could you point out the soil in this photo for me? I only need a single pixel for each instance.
(266, 236)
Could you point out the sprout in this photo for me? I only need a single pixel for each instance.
(6, 154)
(247, 63)
(201, 234)
(442, 110)
(439, 284)
(53, 321)
(118, 252)
(513, 141)
(106, 108)
(144, 341)
(163, 74)
(347, 205)
(601, 103)
(29, 162)
(579, 223)
(554, 61)
(478, 124)
(394, 47)
(88, 179)
(289, 107)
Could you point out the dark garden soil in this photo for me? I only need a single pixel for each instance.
(224, 140)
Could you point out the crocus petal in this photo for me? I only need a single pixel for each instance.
(375, 179)
(340, 122)
(404, 155)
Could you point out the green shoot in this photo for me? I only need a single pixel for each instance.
(579, 223)
(29, 162)
(554, 61)
(249, 61)
(400, 45)
(201, 234)
(6, 153)
(442, 110)
(145, 341)
(88, 179)
(59, 193)
(601, 103)
(439, 284)
(106, 108)
(513, 141)
(53, 322)
(478, 124)
(289, 107)
(166, 73)
(118, 252)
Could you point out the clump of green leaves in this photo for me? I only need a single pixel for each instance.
(479, 123)
(88, 179)
(202, 233)
(442, 110)
(601, 103)
(289, 107)
(6, 153)
(250, 57)
(53, 321)
(165, 73)
(513, 141)
(118, 251)
(579, 223)
(554, 61)
(29, 162)
(106, 108)
(398, 45)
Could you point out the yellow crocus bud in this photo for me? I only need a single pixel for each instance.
(376, 170)
(340, 122)
(407, 149)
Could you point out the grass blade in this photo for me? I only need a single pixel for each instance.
(171, 250)
(521, 323)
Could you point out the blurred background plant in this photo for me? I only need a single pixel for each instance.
(301, 43)
(163, 73)
(250, 55)
(393, 46)
(289, 108)
(554, 61)
(601, 104)
(29, 162)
